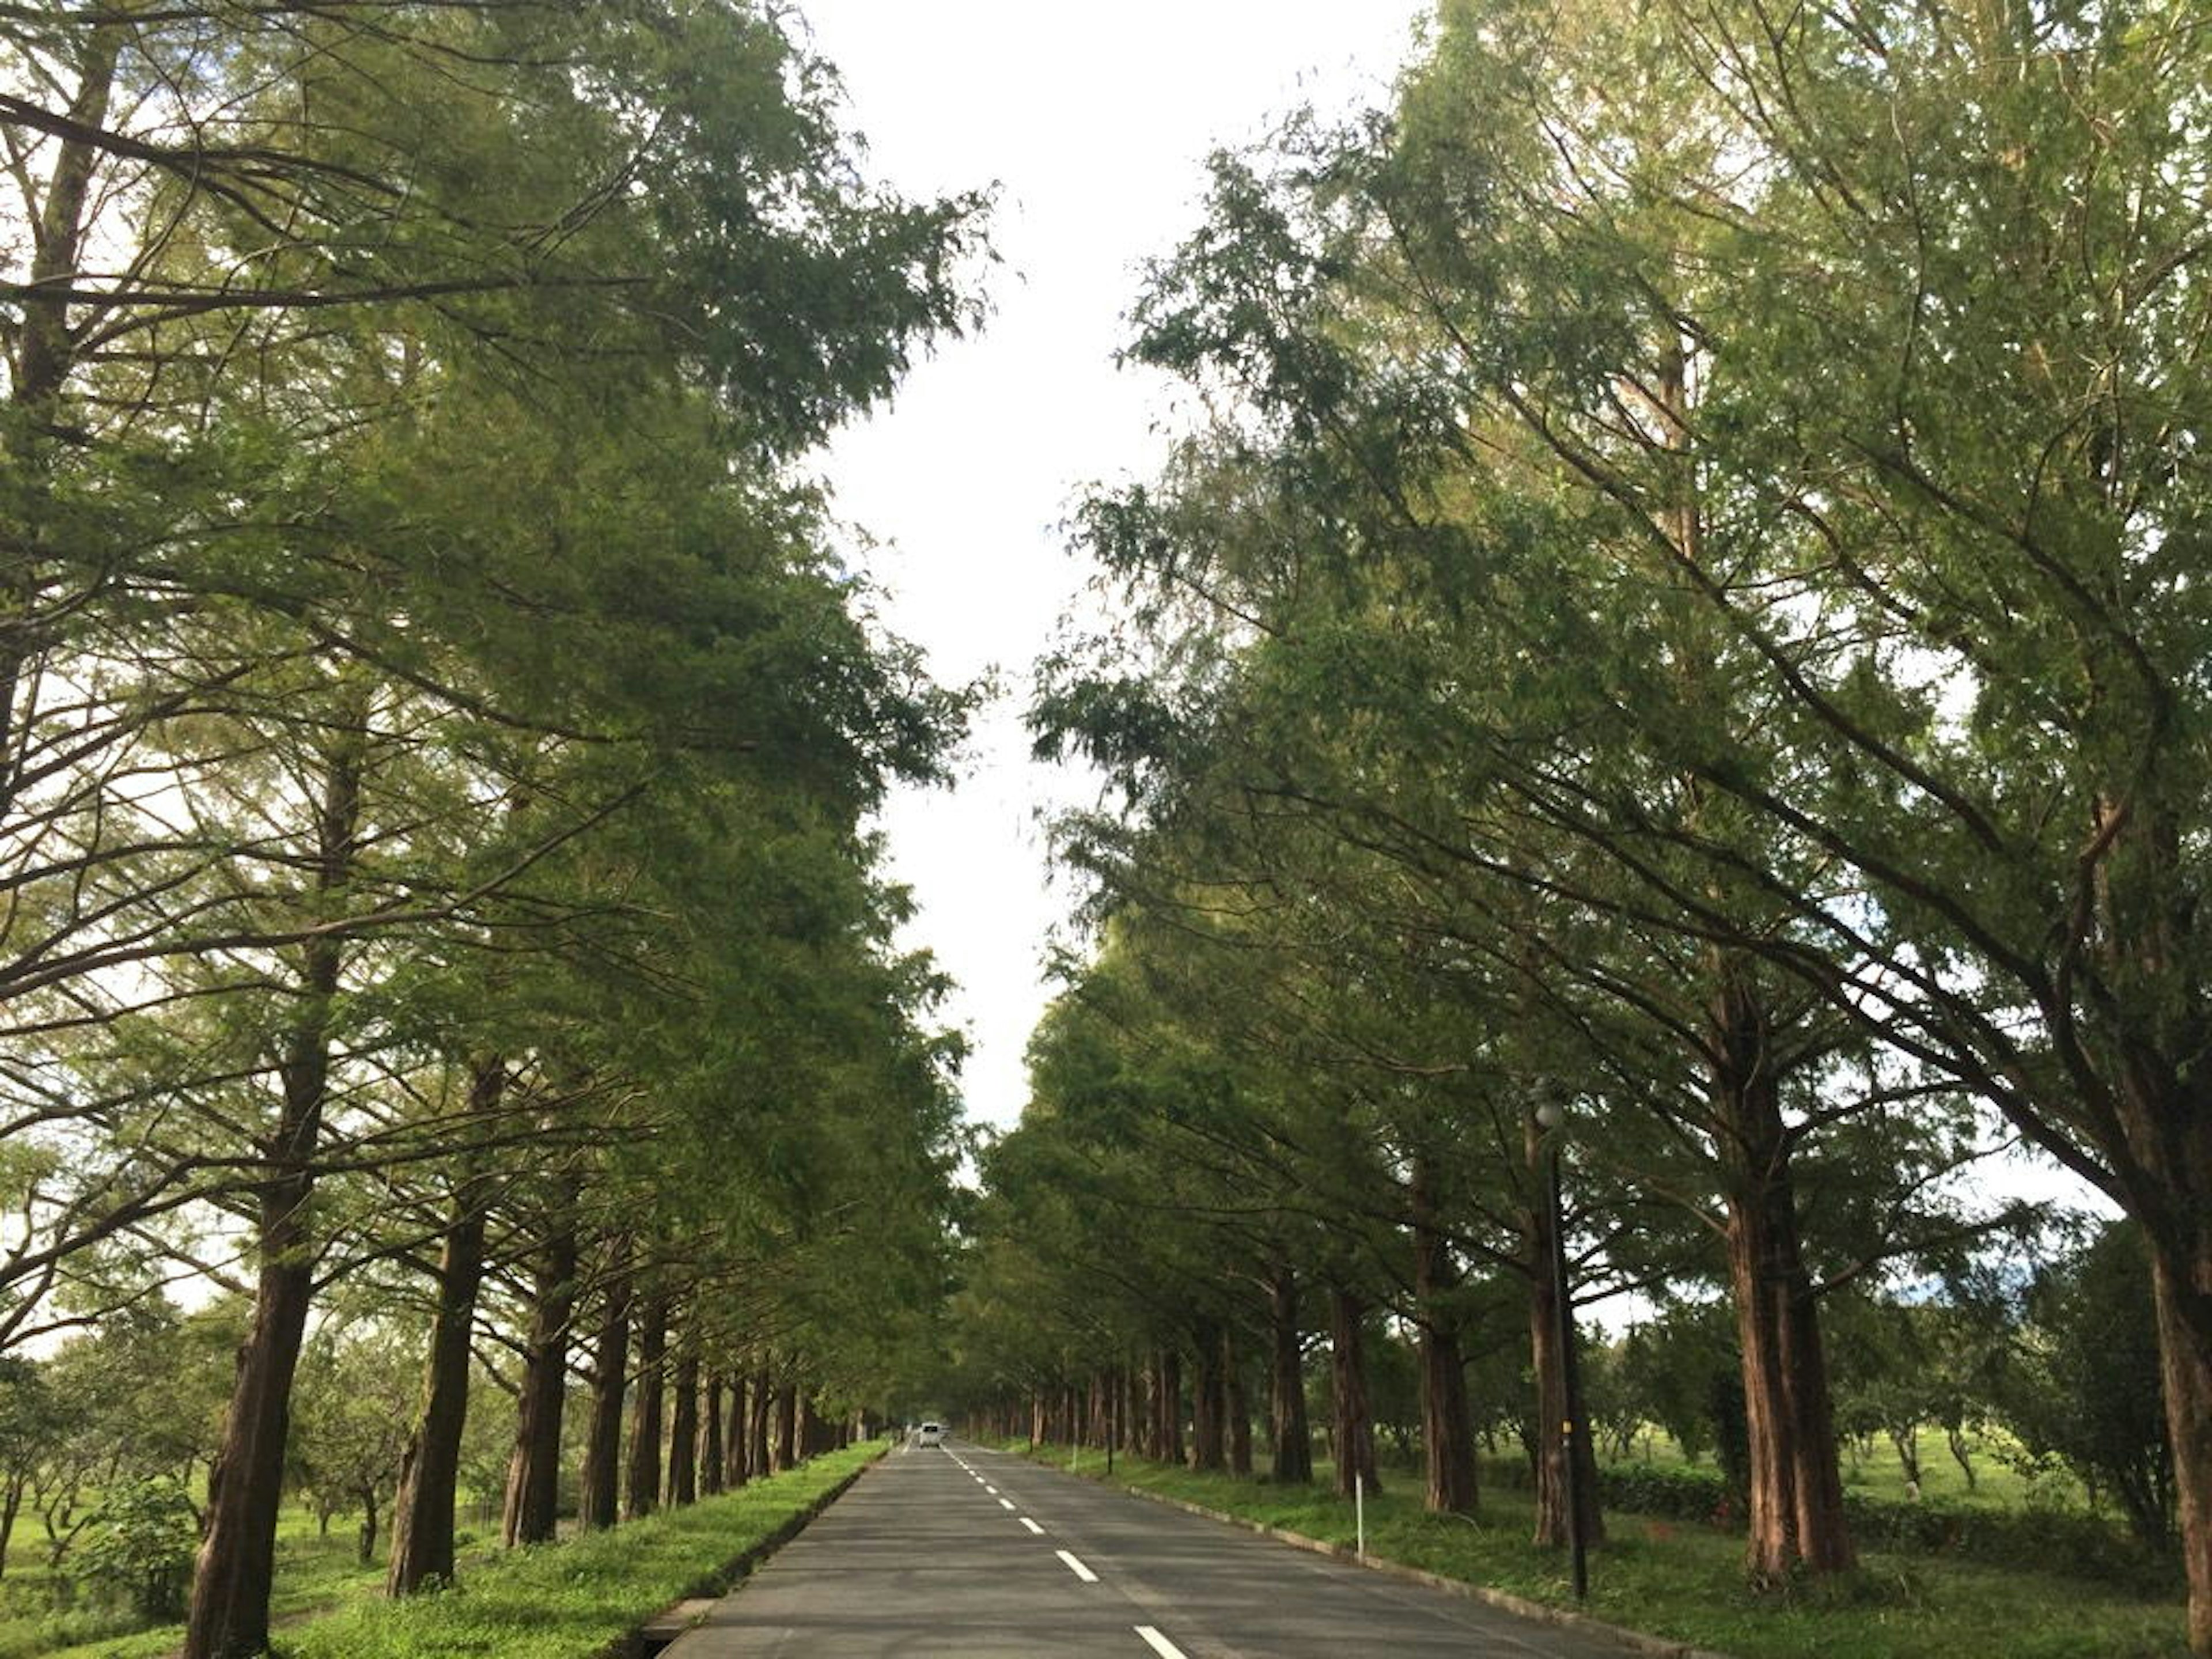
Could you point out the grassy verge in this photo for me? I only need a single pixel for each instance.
(1685, 1582)
(571, 1600)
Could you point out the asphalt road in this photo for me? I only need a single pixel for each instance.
(959, 1551)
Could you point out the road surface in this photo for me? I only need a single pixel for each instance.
(965, 1553)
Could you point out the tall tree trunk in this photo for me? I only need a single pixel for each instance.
(641, 1492)
(1209, 1448)
(229, 1616)
(11, 1505)
(1292, 1437)
(2182, 1292)
(784, 1454)
(1447, 1431)
(365, 1550)
(1552, 1481)
(2150, 933)
(46, 353)
(1797, 1498)
(533, 1476)
(1169, 1403)
(1905, 1437)
(758, 1430)
(423, 1510)
(600, 1498)
(45, 350)
(1447, 1426)
(684, 1426)
(232, 1577)
(1237, 1408)
(1954, 1436)
(737, 1457)
(1352, 1418)
(712, 1466)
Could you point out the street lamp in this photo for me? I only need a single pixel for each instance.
(1551, 1117)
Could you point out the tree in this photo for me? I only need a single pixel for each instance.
(1502, 369)
(350, 1424)
(227, 291)
(300, 339)
(2083, 1385)
(29, 1422)
(140, 1545)
(1681, 1372)
(1977, 637)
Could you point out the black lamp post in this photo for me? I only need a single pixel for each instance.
(1552, 1119)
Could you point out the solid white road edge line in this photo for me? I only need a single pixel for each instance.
(1077, 1567)
(1033, 1525)
(1159, 1643)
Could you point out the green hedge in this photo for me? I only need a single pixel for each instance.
(2056, 1541)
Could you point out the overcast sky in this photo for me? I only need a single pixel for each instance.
(1094, 122)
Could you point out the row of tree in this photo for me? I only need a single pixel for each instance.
(435, 740)
(1685, 605)
(105, 1445)
(2045, 1369)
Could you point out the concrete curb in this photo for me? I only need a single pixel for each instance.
(715, 1586)
(1539, 1612)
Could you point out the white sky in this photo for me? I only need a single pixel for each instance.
(1095, 122)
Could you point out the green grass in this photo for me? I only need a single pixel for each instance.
(1877, 1471)
(1686, 1581)
(570, 1600)
(315, 1574)
(566, 1601)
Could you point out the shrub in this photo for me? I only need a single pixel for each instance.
(138, 1548)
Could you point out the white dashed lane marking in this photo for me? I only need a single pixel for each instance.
(1006, 1502)
(1159, 1643)
(1077, 1567)
(1033, 1525)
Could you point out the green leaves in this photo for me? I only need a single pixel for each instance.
(139, 1547)
(439, 733)
(1680, 598)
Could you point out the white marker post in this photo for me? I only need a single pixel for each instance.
(1359, 1513)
